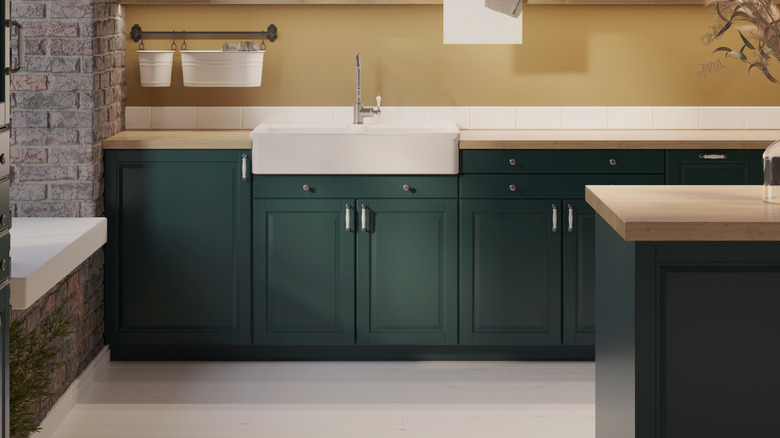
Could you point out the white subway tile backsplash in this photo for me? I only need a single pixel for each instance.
(342, 115)
(219, 117)
(174, 117)
(762, 117)
(538, 117)
(399, 115)
(255, 115)
(317, 115)
(584, 117)
(138, 117)
(493, 117)
(676, 117)
(630, 117)
(460, 115)
(721, 117)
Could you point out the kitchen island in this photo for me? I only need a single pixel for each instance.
(687, 298)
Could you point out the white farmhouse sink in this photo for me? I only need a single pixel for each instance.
(355, 149)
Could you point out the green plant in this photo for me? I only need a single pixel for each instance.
(33, 363)
(760, 21)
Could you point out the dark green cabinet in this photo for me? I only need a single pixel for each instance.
(178, 252)
(714, 167)
(407, 272)
(579, 255)
(304, 264)
(510, 272)
(359, 270)
(5, 323)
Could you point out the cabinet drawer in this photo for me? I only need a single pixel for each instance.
(355, 186)
(562, 161)
(718, 167)
(5, 258)
(544, 186)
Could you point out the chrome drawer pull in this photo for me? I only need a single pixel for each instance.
(406, 187)
(555, 218)
(306, 188)
(612, 161)
(512, 161)
(712, 156)
(512, 187)
(348, 216)
(243, 167)
(363, 218)
(571, 218)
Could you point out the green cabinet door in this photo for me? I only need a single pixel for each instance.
(304, 271)
(510, 272)
(178, 252)
(579, 254)
(407, 272)
(714, 167)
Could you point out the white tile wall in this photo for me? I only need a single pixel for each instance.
(721, 117)
(538, 117)
(493, 117)
(550, 118)
(676, 117)
(219, 117)
(460, 115)
(254, 115)
(630, 117)
(584, 117)
(174, 117)
(762, 117)
(138, 117)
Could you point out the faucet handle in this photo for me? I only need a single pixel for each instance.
(378, 102)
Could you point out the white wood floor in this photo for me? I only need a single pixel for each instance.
(336, 399)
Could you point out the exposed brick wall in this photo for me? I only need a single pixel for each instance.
(81, 295)
(69, 97)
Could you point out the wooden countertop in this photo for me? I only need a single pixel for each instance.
(482, 139)
(687, 213)
(618, 139)
(179, 139)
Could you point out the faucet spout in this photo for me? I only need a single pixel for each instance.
(359, 112)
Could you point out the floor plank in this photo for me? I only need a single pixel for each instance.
(337, 399)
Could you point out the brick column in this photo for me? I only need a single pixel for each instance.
(67, 99)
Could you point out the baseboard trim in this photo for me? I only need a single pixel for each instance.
(352, 352)
(72, 395)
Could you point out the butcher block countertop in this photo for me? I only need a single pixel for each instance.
(180, 139)
(482, 139)
(687, 213)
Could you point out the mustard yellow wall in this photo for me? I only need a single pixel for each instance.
(602, 55)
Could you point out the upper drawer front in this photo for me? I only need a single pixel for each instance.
(318, 187)
(544, 186)
(5, 259)
(562, 161)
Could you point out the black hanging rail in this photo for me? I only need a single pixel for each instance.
(137, 34)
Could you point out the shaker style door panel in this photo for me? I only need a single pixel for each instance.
(510, 272)
(304, 271)
(579, 268)
(178, 253)
(407, 272)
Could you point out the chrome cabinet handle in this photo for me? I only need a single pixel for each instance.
(512, 187)
(512, 161)
(306, 188)
(571, 218)
(348, 216)
(406, 187)
(243, 167)
(612, 161)
(363, 218)
(19, 47)
(555, 218)
(712, 156)
(3, 220)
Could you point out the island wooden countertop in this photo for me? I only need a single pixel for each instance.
(482, 139)
(687, 213)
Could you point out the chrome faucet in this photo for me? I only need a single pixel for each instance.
(359, 112)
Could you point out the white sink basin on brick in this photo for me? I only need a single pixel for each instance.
(355, 149)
